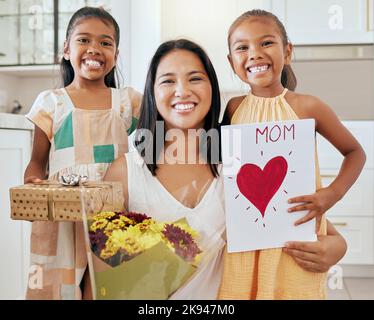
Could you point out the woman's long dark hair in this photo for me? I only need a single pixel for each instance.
(288, 78)
(149, 113)
(66, 69)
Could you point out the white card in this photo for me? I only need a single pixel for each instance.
(264, 165)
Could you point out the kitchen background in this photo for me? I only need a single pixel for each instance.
(333, 59)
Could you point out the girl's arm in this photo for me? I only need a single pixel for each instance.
(330, 127)
(320, 255)
(231, 107)
(37, 167)
(118, 172)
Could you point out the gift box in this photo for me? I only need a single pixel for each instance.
(51, 201)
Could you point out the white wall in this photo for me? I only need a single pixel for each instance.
(140, 23)
(146, 37)
(121, 11)
(207, 23)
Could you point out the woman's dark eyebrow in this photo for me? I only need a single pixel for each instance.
(169, 74)
(196, 71)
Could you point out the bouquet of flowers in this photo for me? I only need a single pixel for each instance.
(132, 256)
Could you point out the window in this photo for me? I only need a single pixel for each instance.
(33, 31)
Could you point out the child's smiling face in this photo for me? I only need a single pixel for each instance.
(91, 49)
(258, 54)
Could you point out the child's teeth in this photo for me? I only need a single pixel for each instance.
(93, 63)
(184, 106)
(258, 69)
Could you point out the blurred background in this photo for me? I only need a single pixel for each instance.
(333, 59)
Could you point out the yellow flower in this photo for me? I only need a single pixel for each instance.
(98, 224)
(146, 224)
(157, 227)
(127, 240)
(104, 215)
(110, 249)
(186, 228)
(149, 239)
(126, 220)
(115, 225)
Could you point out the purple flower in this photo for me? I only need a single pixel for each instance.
(136, 217)
(98, 240)
(182, 241)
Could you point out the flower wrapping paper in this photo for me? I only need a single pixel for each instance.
(133, 257)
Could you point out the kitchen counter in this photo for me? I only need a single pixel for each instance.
(15, 121)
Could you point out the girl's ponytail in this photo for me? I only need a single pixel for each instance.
(67, 72)
(288, 78)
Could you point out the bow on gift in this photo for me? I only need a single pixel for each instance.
(73, 180)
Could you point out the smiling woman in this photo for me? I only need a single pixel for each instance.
(182, 91)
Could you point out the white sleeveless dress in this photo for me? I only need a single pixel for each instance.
(147, 195)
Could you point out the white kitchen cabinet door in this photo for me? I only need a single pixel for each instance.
(363, 131)
(358, 201)
(326, 21)
(14, 235)
(358, 233)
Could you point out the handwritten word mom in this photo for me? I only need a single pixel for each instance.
(275, 133)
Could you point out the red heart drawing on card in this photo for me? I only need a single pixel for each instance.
(260, 186)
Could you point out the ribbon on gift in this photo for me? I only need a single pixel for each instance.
(72, 179)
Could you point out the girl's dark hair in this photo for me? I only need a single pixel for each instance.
(66, 69)
(149, 113)
(288, 78)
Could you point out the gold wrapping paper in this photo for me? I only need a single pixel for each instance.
(51, 201)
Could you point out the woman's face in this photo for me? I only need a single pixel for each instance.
(182, 90)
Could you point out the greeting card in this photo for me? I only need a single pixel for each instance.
(264, 165)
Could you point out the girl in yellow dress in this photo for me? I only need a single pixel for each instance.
(260, 55)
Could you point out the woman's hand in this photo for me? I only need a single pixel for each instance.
(317, 204)
(320, 255)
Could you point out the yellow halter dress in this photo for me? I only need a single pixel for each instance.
(270, 273)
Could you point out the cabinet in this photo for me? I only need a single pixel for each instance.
(326, 21)
(353, 216)
(14, 235)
